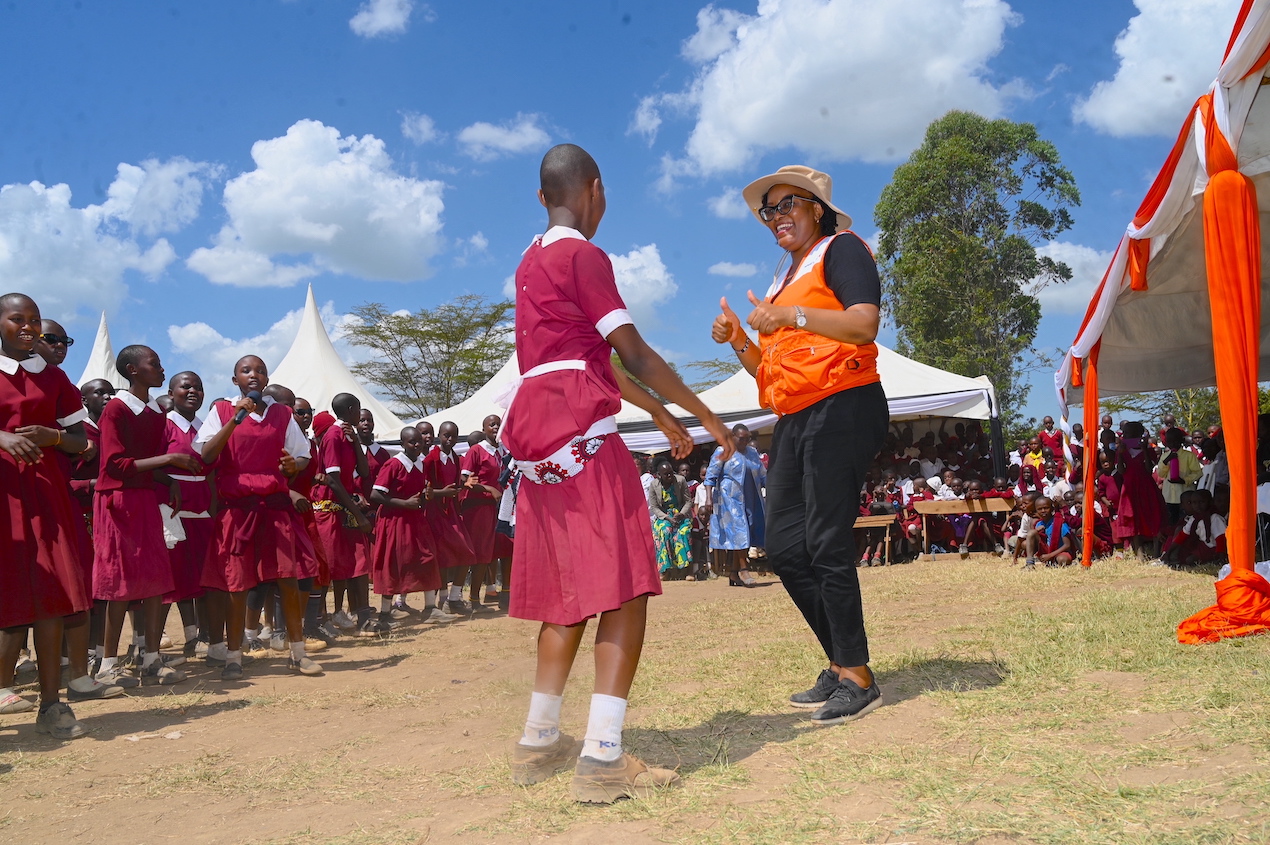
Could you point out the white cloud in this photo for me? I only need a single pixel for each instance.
(1169, 54)
(825, 78)
(646, 121)
(729, 205)
(476, 246)
(71, 259)
(377, 18)
(509, 287)
(158, 196)
(419, 128)
(644, 282)
(727, 268)
(213, 354)
(485, 141)
(1088, 266)
(337, 203)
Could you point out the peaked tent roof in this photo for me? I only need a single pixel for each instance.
(101, 360)
(912, 390)
(314, 370)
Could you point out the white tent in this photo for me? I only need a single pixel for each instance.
(101, 360)
(314, 370)
(912, 390)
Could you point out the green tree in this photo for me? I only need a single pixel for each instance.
(434, 358)
(1194, 408)
(714, 371)
(960, 223)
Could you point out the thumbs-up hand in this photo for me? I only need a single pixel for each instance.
(766, 317)
(727, 326)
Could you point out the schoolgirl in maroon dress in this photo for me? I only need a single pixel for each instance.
(258, 535)
(403, 559)
(1140, 509)
(41, 579)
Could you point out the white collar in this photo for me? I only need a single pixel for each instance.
(559, 233)
(136, 405)
(88, 421)
(184, 424)
(417, 463)
(446, 457)
(257, 414)
(492, 451)
(374, 448)
(34, 364)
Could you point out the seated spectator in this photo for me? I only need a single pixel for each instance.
(1050, 540)
(983, 529)
(1202, 536)
(670, 507)
(874, 539)
(910, 519)
(1053, 485)
(1050, 437)
(1019, 524)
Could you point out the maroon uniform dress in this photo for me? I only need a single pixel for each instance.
(130, 557)
(584, 544)
(336, 527)
(303, 484)
(189, 555)
(40, 572)
(452, 544)
(403, 559)
(82, 505)
(257, 534)
(478, 508)
(376, 457)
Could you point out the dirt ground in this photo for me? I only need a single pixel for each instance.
(406, 739)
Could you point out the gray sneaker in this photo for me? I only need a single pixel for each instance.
(232, 672)
(813, 698)
(847, 703)
(98, 692)
(119, 677)
(164, 674)
(58, 721)
(437, 616)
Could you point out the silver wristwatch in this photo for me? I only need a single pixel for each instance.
(800, 319)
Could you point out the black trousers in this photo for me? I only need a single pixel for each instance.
(818, 460)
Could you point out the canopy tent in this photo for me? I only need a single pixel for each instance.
(101, 360)
(1191, 259)
(314, 370)
(912, 390)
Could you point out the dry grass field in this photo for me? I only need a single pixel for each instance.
(1049, 707)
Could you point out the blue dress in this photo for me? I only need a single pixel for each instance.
(738, 521)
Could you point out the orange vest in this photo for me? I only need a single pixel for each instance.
(798, 367)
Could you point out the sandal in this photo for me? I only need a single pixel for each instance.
(11, 702)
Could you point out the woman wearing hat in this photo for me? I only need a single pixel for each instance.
(816, 367)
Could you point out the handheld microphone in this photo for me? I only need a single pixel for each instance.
(242, 412)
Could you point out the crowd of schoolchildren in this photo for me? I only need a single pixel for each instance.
(267, 525)
(1157, 495)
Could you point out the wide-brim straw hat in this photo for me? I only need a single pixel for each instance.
(800, 176)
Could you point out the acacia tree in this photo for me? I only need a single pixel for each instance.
(433, 358)
(960, 223)
(1194, 408)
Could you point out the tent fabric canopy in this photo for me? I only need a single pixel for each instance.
(912, 390)
(313, 370)
(101, 360)
(1190, 261)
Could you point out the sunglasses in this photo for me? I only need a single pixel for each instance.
(768, 213)
(304, 413)
(54, 339)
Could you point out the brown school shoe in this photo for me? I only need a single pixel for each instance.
(600, 782)
(532, 765)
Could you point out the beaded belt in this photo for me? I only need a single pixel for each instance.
(571, 458)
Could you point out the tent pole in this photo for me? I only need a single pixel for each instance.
(1089, 410)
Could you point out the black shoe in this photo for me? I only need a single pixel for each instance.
(819, 694)
(232, 672)
(318, 633)
(848, 702)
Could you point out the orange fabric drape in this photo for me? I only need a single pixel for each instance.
(1232, 256)
(1089, 405)
(1243, 608)
(1139, 256)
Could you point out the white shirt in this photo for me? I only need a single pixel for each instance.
(296, 444)
(1195, 527)
(930, 468)
(1054, 490)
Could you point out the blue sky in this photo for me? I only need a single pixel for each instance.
(189, 168)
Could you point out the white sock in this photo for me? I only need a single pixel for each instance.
(297, 651)
(138, 640)
(191, 632)
(456, 593)
(543, 725)
(604, 728)
(385, 604)
(149, 660)
(107, 663)
(250, 634)
(99, 652)
(218, 650)
(430, 599)
(234, 657)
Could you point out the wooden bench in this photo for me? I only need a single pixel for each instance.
(882, 520)
(941, 507)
